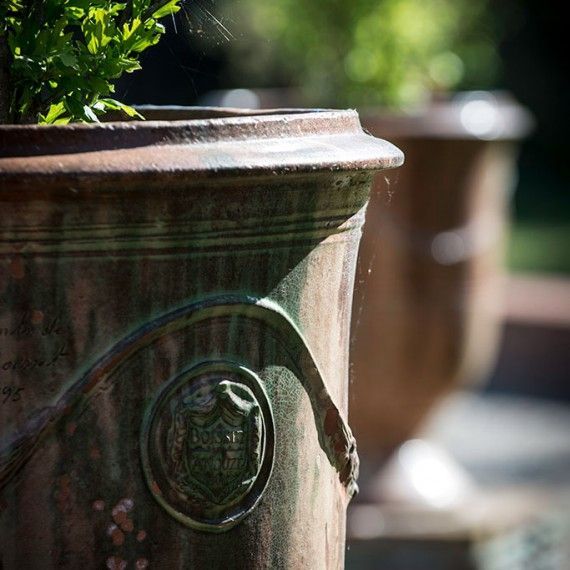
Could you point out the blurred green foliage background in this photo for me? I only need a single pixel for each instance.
(365, 52)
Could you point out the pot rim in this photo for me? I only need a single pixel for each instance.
(221, 142)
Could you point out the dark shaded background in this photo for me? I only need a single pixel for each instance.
(535, 70)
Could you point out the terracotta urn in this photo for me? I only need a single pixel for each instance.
(427, 304)
(175, 302)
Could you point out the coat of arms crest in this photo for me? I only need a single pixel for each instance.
(215, 444)
(207, 445)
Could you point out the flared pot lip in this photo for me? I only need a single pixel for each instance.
(467, 115)
(207, 141)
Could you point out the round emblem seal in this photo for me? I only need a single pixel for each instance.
(207, 445)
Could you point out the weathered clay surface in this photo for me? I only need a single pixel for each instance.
(130, 257)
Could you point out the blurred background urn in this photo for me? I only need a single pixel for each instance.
(427, 307)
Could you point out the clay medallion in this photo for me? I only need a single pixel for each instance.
(207, 445)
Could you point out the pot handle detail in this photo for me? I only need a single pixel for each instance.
(335, 436)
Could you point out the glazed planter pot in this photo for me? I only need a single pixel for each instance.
(174, 320)
(427, 304)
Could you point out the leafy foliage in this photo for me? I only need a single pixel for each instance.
(361, 52)
(66, 54)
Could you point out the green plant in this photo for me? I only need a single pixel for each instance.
(59, 58)
(363, 52)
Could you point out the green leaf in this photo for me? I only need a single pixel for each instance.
(75, 13)
(114, 105)
(129, 29)
(171, 7)
(69, 59)
(55, 111)
(62, 121)
(140, 6)
(74, 108)
(89, 113)
(130, 65)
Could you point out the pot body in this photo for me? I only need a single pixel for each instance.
(427, 304)
(174, 309)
